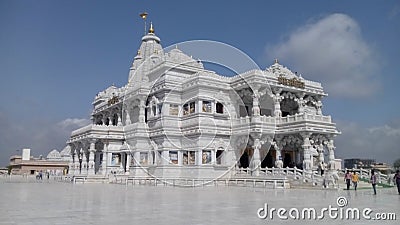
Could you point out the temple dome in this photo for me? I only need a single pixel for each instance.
(66, 152)
(177, 56)
(149, 54)
(280, 70)
(53, 155)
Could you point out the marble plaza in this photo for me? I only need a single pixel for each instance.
(57, 203)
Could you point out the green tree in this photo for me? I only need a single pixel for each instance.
(396, 164)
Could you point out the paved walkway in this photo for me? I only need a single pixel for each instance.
(28, 202)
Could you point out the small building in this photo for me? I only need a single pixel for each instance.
(382, 167)
(55, 163)
(358, 163)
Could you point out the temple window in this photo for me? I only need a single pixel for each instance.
(219, 155)
(143, 158)
(289, 107)
(206, 157)
(189, 157)
(192, 107)
(115, 159)
(219, 107)
(186, 109)
(173, 110)
(153, 110)
(160, 105)
(206, 106)
(189, 108)
(173, 156)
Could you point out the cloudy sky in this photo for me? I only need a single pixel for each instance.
(55, 56)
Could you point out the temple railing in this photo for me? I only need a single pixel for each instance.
(304, 117)
(329, 180)
(366, 174)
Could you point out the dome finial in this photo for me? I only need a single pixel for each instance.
(276, 61)
(151, 30)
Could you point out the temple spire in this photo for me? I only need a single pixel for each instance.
(151, 30)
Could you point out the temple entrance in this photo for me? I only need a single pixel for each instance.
(244, 160)
(287, 160)
(268, 161)
(219, 156)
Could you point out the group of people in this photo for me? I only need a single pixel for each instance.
(353, 178)
(39, 175)
(348, 178)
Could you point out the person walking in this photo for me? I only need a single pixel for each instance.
(373, 180)
(396, 180)
(355, 180)
(347, 179)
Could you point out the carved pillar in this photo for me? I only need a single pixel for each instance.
(84, 165)
(141, 111)
(278, 154)
(319, 107)
(198, 159)
(91, 157)
(103, 120)
(180, 158)
(231, 156)
(119, 120)
(277, 104)
(256, 104)
(136, 157)
(122, 163)
(165, 157)
(331, 149)
(301, 102)
(307, 164)
(320, 149)
(71, 164)
(213, 156)
(104, 163)
(77, 162)
(255, 162)
(128, 163)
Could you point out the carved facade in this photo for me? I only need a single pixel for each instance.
(176, 119)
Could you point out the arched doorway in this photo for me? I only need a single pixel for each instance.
(219, 156)
(287, 160)
(244, 160)
(268, 161)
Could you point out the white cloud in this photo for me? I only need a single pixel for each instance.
(73, 123)
(379, 142)
(333, 52)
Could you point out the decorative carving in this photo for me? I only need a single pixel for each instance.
(294, 82)
(113, 100)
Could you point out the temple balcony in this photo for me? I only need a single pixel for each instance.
(260, 124)
(306, 122)
(97, 131)
(288, 124)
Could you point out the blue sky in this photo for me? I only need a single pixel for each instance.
(55, 56)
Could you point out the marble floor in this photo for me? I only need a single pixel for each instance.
(48, 202)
